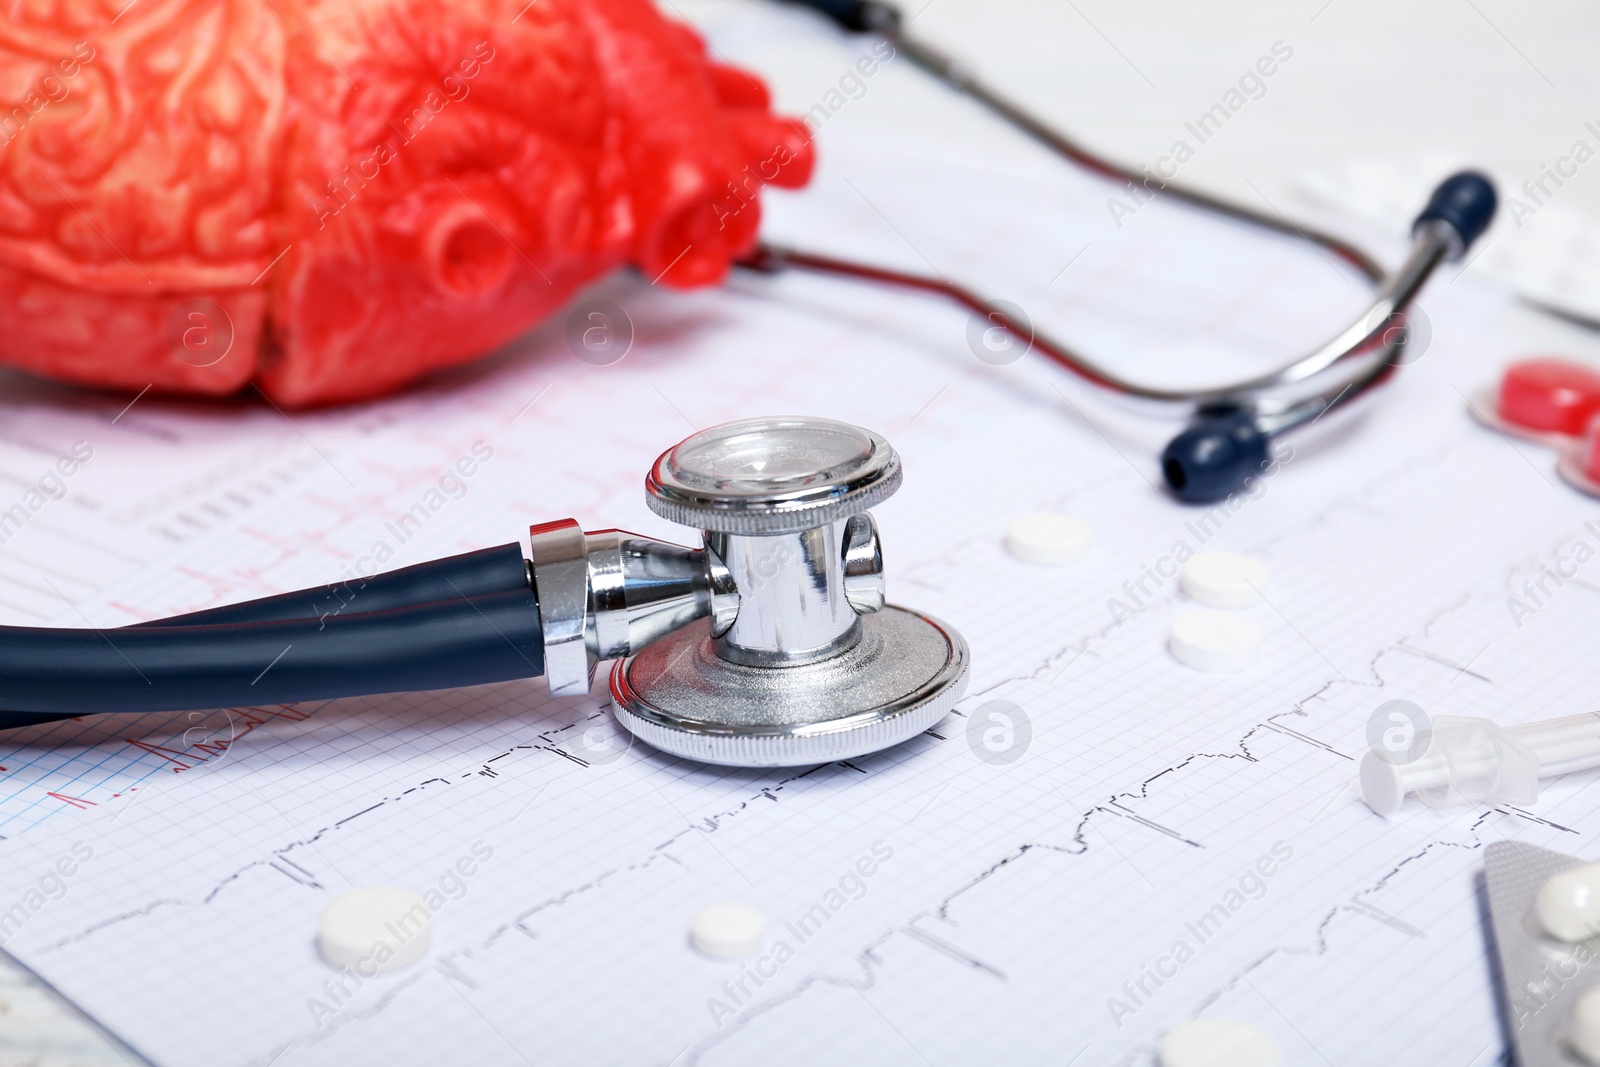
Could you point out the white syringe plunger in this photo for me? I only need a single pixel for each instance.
(1475, 761)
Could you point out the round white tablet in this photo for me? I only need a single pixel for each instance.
(1224, 579)
(373, 930)
(1048, 538)
(1568, 905)
(1583, 1029)
(728, 931)
(1215, 640)
(1218, 1043)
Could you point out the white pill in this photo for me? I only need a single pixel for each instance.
(1048, 538)
(728, 931)
(372, 930)
(1568, 905)
(1583, 1029)
(1224, 579)
(1218, 1043)
(1215, 640)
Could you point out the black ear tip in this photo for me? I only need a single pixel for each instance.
(1467, 202)
(1213, 457)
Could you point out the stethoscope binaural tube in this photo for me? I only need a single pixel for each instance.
(1228, 442)
(1231, 425)
(885, 20)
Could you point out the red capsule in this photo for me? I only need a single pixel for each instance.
(1550, 396)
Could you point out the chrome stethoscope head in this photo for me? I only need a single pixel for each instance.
(773, 644)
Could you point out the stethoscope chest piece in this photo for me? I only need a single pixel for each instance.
(799, 659)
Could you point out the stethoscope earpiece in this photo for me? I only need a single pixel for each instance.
(1465, 202)
(1214, 456)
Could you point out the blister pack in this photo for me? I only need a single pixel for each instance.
(1543, 979)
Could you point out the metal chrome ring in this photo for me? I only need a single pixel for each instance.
(720, 502)
(695, 705)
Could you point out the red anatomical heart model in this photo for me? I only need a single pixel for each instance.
(331, 197)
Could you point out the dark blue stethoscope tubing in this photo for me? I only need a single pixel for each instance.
(501, 569)
(288, 648)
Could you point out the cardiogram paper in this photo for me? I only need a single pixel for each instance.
(1162, 844)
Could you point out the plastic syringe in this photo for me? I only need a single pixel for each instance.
(1475, 761)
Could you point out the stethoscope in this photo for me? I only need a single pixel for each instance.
(770, 646)
(1230, 426)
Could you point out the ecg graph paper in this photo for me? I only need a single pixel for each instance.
(1014, 912)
